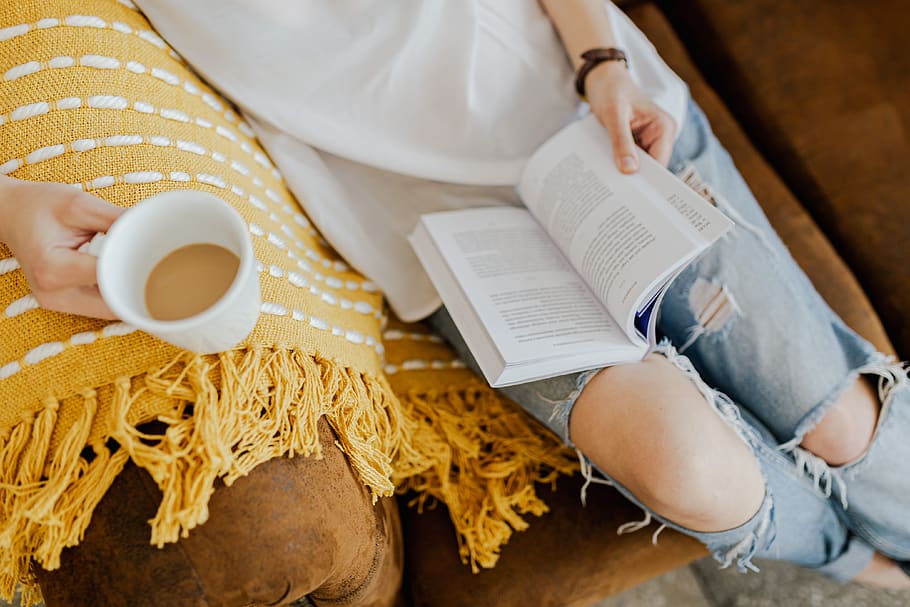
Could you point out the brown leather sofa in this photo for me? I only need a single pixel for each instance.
(814, 105)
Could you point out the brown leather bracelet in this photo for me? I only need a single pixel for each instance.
(593, 58)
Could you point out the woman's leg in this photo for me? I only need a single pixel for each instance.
(755, 328)
(682, 452)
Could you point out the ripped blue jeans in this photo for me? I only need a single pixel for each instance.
(772, 358)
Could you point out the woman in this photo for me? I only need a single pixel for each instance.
(378, 112)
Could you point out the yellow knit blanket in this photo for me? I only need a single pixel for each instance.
(91, 96)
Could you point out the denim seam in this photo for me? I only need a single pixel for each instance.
(875, 539)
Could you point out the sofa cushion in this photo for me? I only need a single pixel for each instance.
(824, 89)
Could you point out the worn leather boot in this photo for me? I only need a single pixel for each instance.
(291, 528)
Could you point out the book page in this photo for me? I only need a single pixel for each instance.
(531, 302)
(626, 235)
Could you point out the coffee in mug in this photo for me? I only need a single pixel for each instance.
(189, 280)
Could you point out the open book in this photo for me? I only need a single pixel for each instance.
(573, 281)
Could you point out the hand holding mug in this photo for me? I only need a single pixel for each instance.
(44, 224)
(179, 265)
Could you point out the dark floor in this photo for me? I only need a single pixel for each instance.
(704, 585)
(778, 585)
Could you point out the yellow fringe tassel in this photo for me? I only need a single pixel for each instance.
(483, 457)
(228, 414)
(236, 410)
(466, 447)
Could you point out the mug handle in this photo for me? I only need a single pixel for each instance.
(93, 247)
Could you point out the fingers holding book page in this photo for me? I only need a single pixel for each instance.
(571, 282)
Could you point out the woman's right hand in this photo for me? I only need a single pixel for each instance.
(630, 116)
(44, 224)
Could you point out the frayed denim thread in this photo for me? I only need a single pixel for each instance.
(892, 377)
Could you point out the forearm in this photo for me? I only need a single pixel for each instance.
(582, 25)
(629, 115)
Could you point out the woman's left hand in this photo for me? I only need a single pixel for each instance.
(44, 224)
(629, 115)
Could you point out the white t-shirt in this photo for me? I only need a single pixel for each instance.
(378, 111)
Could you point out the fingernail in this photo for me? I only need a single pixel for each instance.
(629, 164)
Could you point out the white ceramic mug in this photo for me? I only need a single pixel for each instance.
(154, 228)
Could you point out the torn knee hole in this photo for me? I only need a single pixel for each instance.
(844, 432)
(846, 429)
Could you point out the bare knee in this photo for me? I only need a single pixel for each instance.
(846, 430)
(650, 428)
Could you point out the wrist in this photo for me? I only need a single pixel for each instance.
(7, 184)
(598, 59)
(608, 78)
